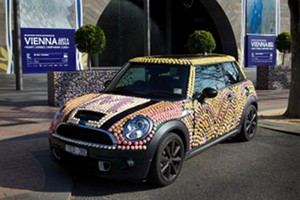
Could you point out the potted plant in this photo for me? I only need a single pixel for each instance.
(201, 41)
(66, 85)
(90, 39)
(278, 76)
(283, 44)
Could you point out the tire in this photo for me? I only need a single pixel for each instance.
(249, 125)
(167, 161)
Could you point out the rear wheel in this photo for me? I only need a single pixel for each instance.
(249, 125)
(167, 162)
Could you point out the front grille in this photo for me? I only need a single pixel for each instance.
(84, 134)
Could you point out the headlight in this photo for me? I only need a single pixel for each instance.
(137, 128)
(58, 115)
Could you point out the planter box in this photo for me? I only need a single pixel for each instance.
(66, 85)
(273, 77)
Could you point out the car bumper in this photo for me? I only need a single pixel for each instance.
(107, 163)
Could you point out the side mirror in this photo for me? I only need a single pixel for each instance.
(208, 93)
(106, 83)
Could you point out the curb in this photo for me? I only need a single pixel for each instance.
(278, 126)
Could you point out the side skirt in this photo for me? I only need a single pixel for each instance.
(196, 151)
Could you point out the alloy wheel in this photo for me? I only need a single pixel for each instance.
(171, 160)
(251, 123)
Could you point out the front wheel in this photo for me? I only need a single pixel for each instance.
(249, 125)
(167, 162)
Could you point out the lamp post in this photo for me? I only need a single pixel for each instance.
(147, 28)
(17, 46)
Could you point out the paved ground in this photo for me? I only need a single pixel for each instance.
(266, 168)
(25, 169)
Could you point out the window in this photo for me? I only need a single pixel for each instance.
(133, 75)
(232, 73)
(151, 81)
(208, 76)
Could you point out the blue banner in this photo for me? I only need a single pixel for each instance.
(48, 49)
(261, 50)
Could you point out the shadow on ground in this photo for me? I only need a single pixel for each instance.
(25, 165)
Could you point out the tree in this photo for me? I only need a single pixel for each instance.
(293, 110)
(283, 44)
(201, 42)
(90, 39)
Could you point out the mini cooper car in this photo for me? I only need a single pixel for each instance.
(155, 113)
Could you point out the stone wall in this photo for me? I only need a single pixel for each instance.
(233, 13)
(226, 15)
(92, 10)
(222, 11)
(66, 85)
(284, 16)
(273, 77)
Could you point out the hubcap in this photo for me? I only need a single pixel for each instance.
(251, 123)
(171, 160)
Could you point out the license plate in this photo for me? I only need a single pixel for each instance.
(76, 150)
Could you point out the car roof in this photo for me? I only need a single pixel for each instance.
(184, 59)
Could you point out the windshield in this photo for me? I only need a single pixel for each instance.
(162, 81)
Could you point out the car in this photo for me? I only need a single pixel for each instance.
(155, 113)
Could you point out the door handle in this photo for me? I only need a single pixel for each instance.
(229, 97)
(247, 92)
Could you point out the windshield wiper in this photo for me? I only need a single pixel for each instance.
(163, 94)
(119, 91)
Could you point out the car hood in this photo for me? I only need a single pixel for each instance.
(109, 110)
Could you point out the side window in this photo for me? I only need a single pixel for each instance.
(208, 76)
(232, 73)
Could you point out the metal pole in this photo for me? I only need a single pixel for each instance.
(169, 26)
(147, 28)
(17, 46)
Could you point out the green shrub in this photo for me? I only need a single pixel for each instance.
(283, 44)
(201, 42)
(90, 39)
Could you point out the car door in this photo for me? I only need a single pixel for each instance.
(239, 91)
(212, 116)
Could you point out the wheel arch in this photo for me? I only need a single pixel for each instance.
(174, 126)
(252, 100)
(243, 135)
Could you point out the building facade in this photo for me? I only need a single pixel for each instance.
(171, 23)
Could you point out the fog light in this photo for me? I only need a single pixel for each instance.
(130, 162)
(104, 166)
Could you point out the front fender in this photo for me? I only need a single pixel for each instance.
(175, 126)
